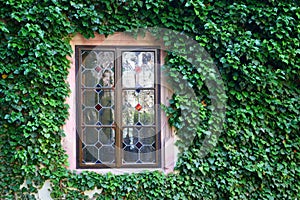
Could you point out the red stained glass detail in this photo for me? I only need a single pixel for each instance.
(138, 69)
(138, 107)
(98, 69)
(98, 107)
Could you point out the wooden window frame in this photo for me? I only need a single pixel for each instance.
(118, 106)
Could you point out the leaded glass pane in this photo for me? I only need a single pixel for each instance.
(138, 69)
(107, 154)
(147, 154)
(106, 116)
(89, 59)
(90, 136)
(90, 116)
(98, 115)
(107, 136)
(130, 155)
(99, 145)
(130, 150)
(147, 136)
(89, 98)
(98, 69)
(138, 107)
(103, 78)
(106, 98)
(130, 137)
(90, 154)
(90, 78)
(97, 59)
(139, 145)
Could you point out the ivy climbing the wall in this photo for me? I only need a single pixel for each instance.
(255, 45)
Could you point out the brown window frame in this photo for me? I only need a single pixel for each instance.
(118, 106)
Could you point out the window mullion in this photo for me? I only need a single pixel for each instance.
(118, 89)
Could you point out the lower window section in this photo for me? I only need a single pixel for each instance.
(139, 146)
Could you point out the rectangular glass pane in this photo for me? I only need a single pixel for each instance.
(139, 145)
(98, 107)
(97, 68)
(138, 107)
(98, 145)
(138, 69)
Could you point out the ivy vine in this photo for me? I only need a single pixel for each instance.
(255, 45)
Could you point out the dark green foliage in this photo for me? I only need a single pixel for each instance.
(256, 47)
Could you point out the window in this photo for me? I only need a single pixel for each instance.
(117, 115)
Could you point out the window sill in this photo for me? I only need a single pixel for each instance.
(118, 171)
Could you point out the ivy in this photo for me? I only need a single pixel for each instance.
(255, 46)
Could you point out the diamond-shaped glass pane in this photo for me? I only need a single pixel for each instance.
(139, 145)
(138, 69)
(139, 126)
(98, 107)
(98, 124)
(138, 107)
(97, 89)
(98, 69)
(154, 145)
(138, 90)
(98, 145)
